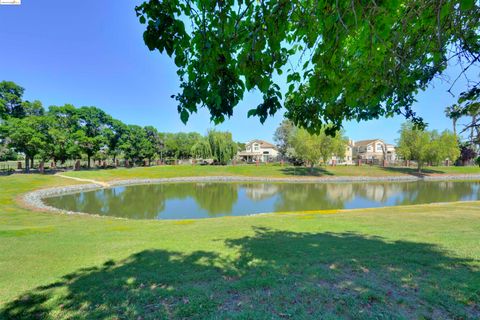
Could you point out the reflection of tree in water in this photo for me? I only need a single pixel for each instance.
(444, 191)
(216, 198)
(378, 192)
(310, 196)
(148, 201)
(139, 202)
(297, 197)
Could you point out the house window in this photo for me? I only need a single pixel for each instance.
(369, 148)
(379, 147)
(256, 147)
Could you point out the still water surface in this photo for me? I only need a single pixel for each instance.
(205, 200)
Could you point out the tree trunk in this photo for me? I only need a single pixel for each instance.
(472, 130)
(419, 167)
(31, 163)
(27, 167)
(454, 126)
(88, 157)
(311, 167)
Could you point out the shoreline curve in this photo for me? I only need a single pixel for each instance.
(34, 199)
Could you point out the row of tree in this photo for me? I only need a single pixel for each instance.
(467, 110)
(427, 147)
(65, 132)
(422, 146)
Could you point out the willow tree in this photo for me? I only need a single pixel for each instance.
(343, 60)
(222, 146)
(201, 149)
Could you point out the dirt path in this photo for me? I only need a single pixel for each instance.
(103, 184)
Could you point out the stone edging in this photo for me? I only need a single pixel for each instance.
(34, 199)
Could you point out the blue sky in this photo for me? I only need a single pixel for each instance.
(91, 52)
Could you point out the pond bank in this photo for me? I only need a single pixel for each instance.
(34, 199)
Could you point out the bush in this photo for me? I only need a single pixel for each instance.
(477, 161)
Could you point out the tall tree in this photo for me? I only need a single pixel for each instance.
(468, 106)
(345, 60)
(113, 135)
(94, 123)
(11, 104)
(282, 135)
(454, 113)
(156, 140)
(317, 148)
(63, 132)
(222, 146)
(28, 135)
(135, 144)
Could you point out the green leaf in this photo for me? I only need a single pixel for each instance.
(184, 115)
(466, 4)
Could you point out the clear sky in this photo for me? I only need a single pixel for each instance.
(91, 52)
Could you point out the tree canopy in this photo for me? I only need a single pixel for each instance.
(425, 146)
(62, 133)
(317, 148)
(343, 60)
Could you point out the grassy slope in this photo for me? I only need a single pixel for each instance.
(261, 171)
(396, 262)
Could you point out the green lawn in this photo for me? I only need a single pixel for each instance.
(271, 170)
(405, 262)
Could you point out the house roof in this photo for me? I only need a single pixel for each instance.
(263, 144)
(362, 143)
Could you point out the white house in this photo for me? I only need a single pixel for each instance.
(258, 150)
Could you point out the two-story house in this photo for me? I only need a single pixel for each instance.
(374, 150)
(347, 158)
(258, 150)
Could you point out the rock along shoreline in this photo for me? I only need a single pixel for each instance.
(34, 199)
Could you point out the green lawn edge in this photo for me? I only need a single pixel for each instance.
(405, 262)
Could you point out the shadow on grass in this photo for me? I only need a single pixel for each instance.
(276, 274)
(304, 171)
(412, 171)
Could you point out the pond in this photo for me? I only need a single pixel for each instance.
(214, 199)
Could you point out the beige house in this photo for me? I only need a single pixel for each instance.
(348, 158)
(373, 150)
(258, 150)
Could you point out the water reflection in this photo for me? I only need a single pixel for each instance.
(201, 200)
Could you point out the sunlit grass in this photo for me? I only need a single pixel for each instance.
(262, 170)
(405, 262)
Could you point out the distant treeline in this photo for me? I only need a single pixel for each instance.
(62, 133)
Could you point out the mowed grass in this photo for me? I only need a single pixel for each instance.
(263, 170)
(396, 263)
